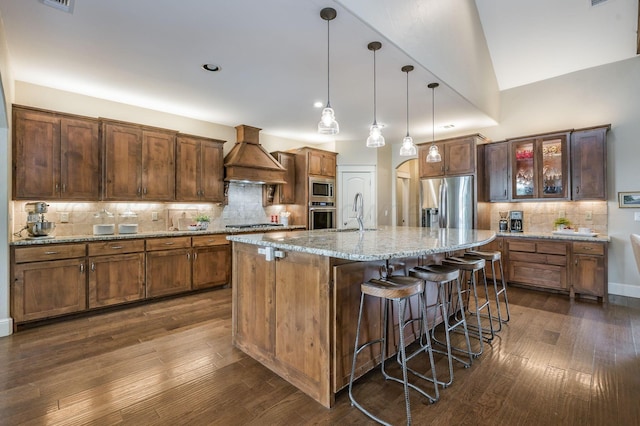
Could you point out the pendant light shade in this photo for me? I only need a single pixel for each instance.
(408, 148)
(375, 138)
(434, 154)
(328, 124)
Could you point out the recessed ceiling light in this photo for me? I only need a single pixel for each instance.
(318, 104)
(448, 126)
(211, 67)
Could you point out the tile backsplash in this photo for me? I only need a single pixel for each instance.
(540, 216)
(244, 206)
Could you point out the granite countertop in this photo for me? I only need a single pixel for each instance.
(551, 236)
(385, 242)
(93, 238)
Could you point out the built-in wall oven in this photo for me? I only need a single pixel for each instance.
(322, 203)
(322, 217)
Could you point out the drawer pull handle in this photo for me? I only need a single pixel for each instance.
(50, 252)
(170, 243)
(116, 247)
(195, 256)
(587, 248)
(82, 268)
(93, 266)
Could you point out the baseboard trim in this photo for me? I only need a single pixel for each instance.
(621, 289)
(6, 327)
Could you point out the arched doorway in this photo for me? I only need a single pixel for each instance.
(407, 194)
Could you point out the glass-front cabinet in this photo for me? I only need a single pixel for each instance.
(540, 167)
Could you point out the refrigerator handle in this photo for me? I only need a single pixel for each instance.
(442, 208)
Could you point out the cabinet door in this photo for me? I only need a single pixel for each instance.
(36, 155)
(589, 164)
(553, 171)
(168, 272)
(47, 289)
(524, 173)
(496, 171)
(287, 191)
(211, 172)
(430, 169)
(322, 164)
(80, 171)
(211, 266)
(116, 279)
(158, 166)
(460, 157)
(588, 275)
(187, 169)
(123, 162)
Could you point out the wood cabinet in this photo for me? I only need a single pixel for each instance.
(539, 263)
(48, 281)
(211, 261)
(540, 167)
(282, 316)
(589, 269)
(139, 162)
(286, 193)
(498, 244)
(168, 266)
(322, 163)
(496, 171)
(199, 169)
(589, 163)
(458, 157)
(55, 156)
(116, 272)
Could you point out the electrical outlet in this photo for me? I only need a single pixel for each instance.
(562, 213)
(636, 216)
(64, 217)
(154, 216)
(588, 215)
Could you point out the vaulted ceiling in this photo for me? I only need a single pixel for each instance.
(273, 55)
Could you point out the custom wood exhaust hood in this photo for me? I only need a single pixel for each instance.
(248, 161)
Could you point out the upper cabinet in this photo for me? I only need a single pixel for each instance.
(139, 162)
(55, 156)
(199, 169)
(589, 163)
(540, 167)
(496, 171)
(322, 163)
(458, 157)
(286, 193)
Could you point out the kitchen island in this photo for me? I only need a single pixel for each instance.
(296, 296)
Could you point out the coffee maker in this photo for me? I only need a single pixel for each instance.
(503, 225)
(515, 220)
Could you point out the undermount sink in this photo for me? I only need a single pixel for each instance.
(351, 229)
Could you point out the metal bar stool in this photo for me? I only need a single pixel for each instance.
(444, 277)
(469, 268)
(493, 257)
(393, 289)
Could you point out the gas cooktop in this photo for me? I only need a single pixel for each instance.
(254, 225)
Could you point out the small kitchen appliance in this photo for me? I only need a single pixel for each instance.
(37, 225)
(503, 225)
(515, 220)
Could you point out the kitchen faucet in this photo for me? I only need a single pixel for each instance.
(358, 207)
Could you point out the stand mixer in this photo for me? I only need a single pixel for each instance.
(37, 225)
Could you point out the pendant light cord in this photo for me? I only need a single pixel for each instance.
(328, 68)
(407, 103)
(374, 88)
(433, 114)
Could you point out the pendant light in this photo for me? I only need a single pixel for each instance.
(375, 138)
(328, 124)
(434, 154)
(408, 148)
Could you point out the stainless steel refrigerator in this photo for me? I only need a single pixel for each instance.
(447, 202)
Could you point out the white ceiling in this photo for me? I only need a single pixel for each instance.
(148, 53)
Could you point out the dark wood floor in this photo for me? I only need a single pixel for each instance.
(172, 362)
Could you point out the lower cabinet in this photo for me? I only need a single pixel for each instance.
(540, 263)
(168, 266)
(211, 261)
(590, 269)
(48, 281)
(116, 272)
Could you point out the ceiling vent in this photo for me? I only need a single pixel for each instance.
(64, 5)
(597, 2)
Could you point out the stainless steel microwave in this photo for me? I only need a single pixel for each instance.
(321, 191)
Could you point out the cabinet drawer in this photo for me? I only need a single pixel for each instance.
(168, 243)
(210, 240)
(115, 247)
(49, 252)
(552, 248)
(549, 276)
(525, 246)
(538, 258)
(588, 248)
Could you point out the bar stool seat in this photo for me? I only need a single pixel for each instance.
(444, 276)
(469, 267)
(495, 257)
(397, 289)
